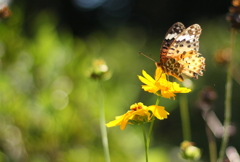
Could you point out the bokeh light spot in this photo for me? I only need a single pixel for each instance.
(59, 99)
(89, 4)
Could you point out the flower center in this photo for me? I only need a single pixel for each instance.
(138, 107)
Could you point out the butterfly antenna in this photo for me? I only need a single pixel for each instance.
(147, 56)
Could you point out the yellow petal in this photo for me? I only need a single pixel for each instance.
(145, 81)
(158, 111)
(147, 76)
(168, 94)
(149, 88)
(177, 89)
(115, 122)
(159, 74)
(120, 120)
(125, 121)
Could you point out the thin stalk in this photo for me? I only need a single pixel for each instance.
(151, 126)
(228, 97)
(158, 100)
(185, 117)
(212, 145)
(145, 142)
(150, 132)
(102, 124)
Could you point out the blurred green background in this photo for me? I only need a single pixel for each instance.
(49, 104)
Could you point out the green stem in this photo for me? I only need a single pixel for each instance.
(151, 125)
(185, 117)
(212, 145)
(227, 115)
(145, 142)
(150, 132)
(102, 125)
(158, 100)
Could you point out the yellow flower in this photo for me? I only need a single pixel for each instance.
(160, 85)
(139, 114)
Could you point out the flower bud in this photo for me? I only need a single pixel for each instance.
(193, 153)
(189, 151)
(100, 70)
(234, 14)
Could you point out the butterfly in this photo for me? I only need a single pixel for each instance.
(179, 52)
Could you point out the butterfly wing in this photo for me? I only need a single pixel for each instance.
(170, 37)
(193, 65)
(185, 43)
(181, 54)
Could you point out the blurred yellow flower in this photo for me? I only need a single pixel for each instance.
(160, 85)
(139, 114)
